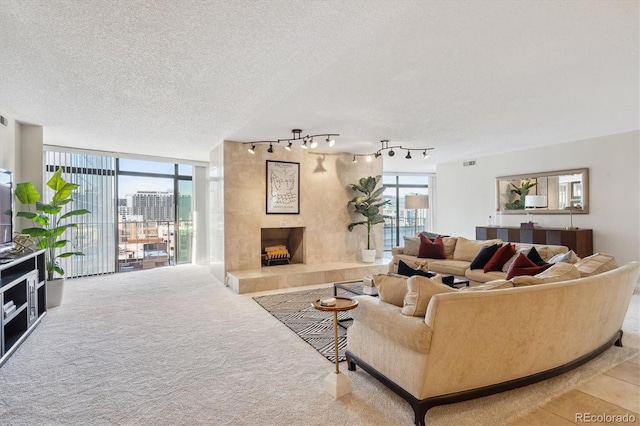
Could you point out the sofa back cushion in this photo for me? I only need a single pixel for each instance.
(449, 246)
(556, 273)
(420, 291)
(468, 249)
(596, 264)
(391, 289)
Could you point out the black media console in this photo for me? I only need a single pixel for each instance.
(23, 299)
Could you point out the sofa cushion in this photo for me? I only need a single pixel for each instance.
(491, 285)
(420, 290)
(480, 276)
(596, 264)
(568, 257)
(500, 257)
(431, 249)
(547, 252)
(411, 246)
(408, 271)
(557, 272)
(391, 289)
(468, 249)
(524, 266)
(484, 255)
(449, 246)
(449, 267)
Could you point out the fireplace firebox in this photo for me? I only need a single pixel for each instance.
(291, 238)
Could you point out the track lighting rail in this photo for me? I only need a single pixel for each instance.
(391, 152)
(307, 141)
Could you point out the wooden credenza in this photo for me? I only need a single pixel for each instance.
(578, 240)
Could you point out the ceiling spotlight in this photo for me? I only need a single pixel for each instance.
(313, 143)
(369, 158)
(270, 150)
(408, 156)
(391, 153)
(252, 150)
(355, 160)
(331, 142)
(425, 155)
(304, 145)
(377, 154)
(288, 147)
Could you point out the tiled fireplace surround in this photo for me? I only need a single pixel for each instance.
(237, 214)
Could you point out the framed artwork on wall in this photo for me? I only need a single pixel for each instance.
(283, 187)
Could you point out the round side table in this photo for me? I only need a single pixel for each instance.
(337, 384)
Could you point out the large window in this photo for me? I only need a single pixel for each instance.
(404, 222)
(155, 224)
(141, 213)
(95, 234)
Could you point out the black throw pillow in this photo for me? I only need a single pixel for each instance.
(535, 257)
(408, 271)
(483, 256)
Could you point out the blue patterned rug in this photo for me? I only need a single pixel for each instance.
(313, 326)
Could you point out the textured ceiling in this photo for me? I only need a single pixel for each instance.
(469, 78)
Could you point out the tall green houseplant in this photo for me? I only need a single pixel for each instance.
(368, 204)
(49, 220)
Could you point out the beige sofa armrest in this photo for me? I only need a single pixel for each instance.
(388, 320)
(397, 250)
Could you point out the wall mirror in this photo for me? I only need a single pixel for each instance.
(556, 192)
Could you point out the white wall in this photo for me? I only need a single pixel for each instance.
(467, 195)
(8, 144)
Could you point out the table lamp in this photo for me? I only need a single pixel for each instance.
(535, 202)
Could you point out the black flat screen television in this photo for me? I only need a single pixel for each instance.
(6, 210)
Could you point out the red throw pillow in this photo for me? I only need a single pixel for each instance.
(500, 257)
(432, 250)
(533, 270)
(524, 266)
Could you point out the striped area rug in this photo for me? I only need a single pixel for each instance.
(295, 310)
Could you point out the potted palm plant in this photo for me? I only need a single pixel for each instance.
(369, 205)
(50, 224)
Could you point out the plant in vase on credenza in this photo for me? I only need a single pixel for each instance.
(369, 205)
(50, 223)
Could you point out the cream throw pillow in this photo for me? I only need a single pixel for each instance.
(596, 264)
(558, 272)
(391, 289)
(468, 249)
(420, 290)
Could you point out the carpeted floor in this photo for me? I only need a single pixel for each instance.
(172, 346)
(313, 326)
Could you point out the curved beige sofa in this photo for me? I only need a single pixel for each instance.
(460, 252)
(475, 343)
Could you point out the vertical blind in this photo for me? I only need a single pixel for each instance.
(95, 234)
